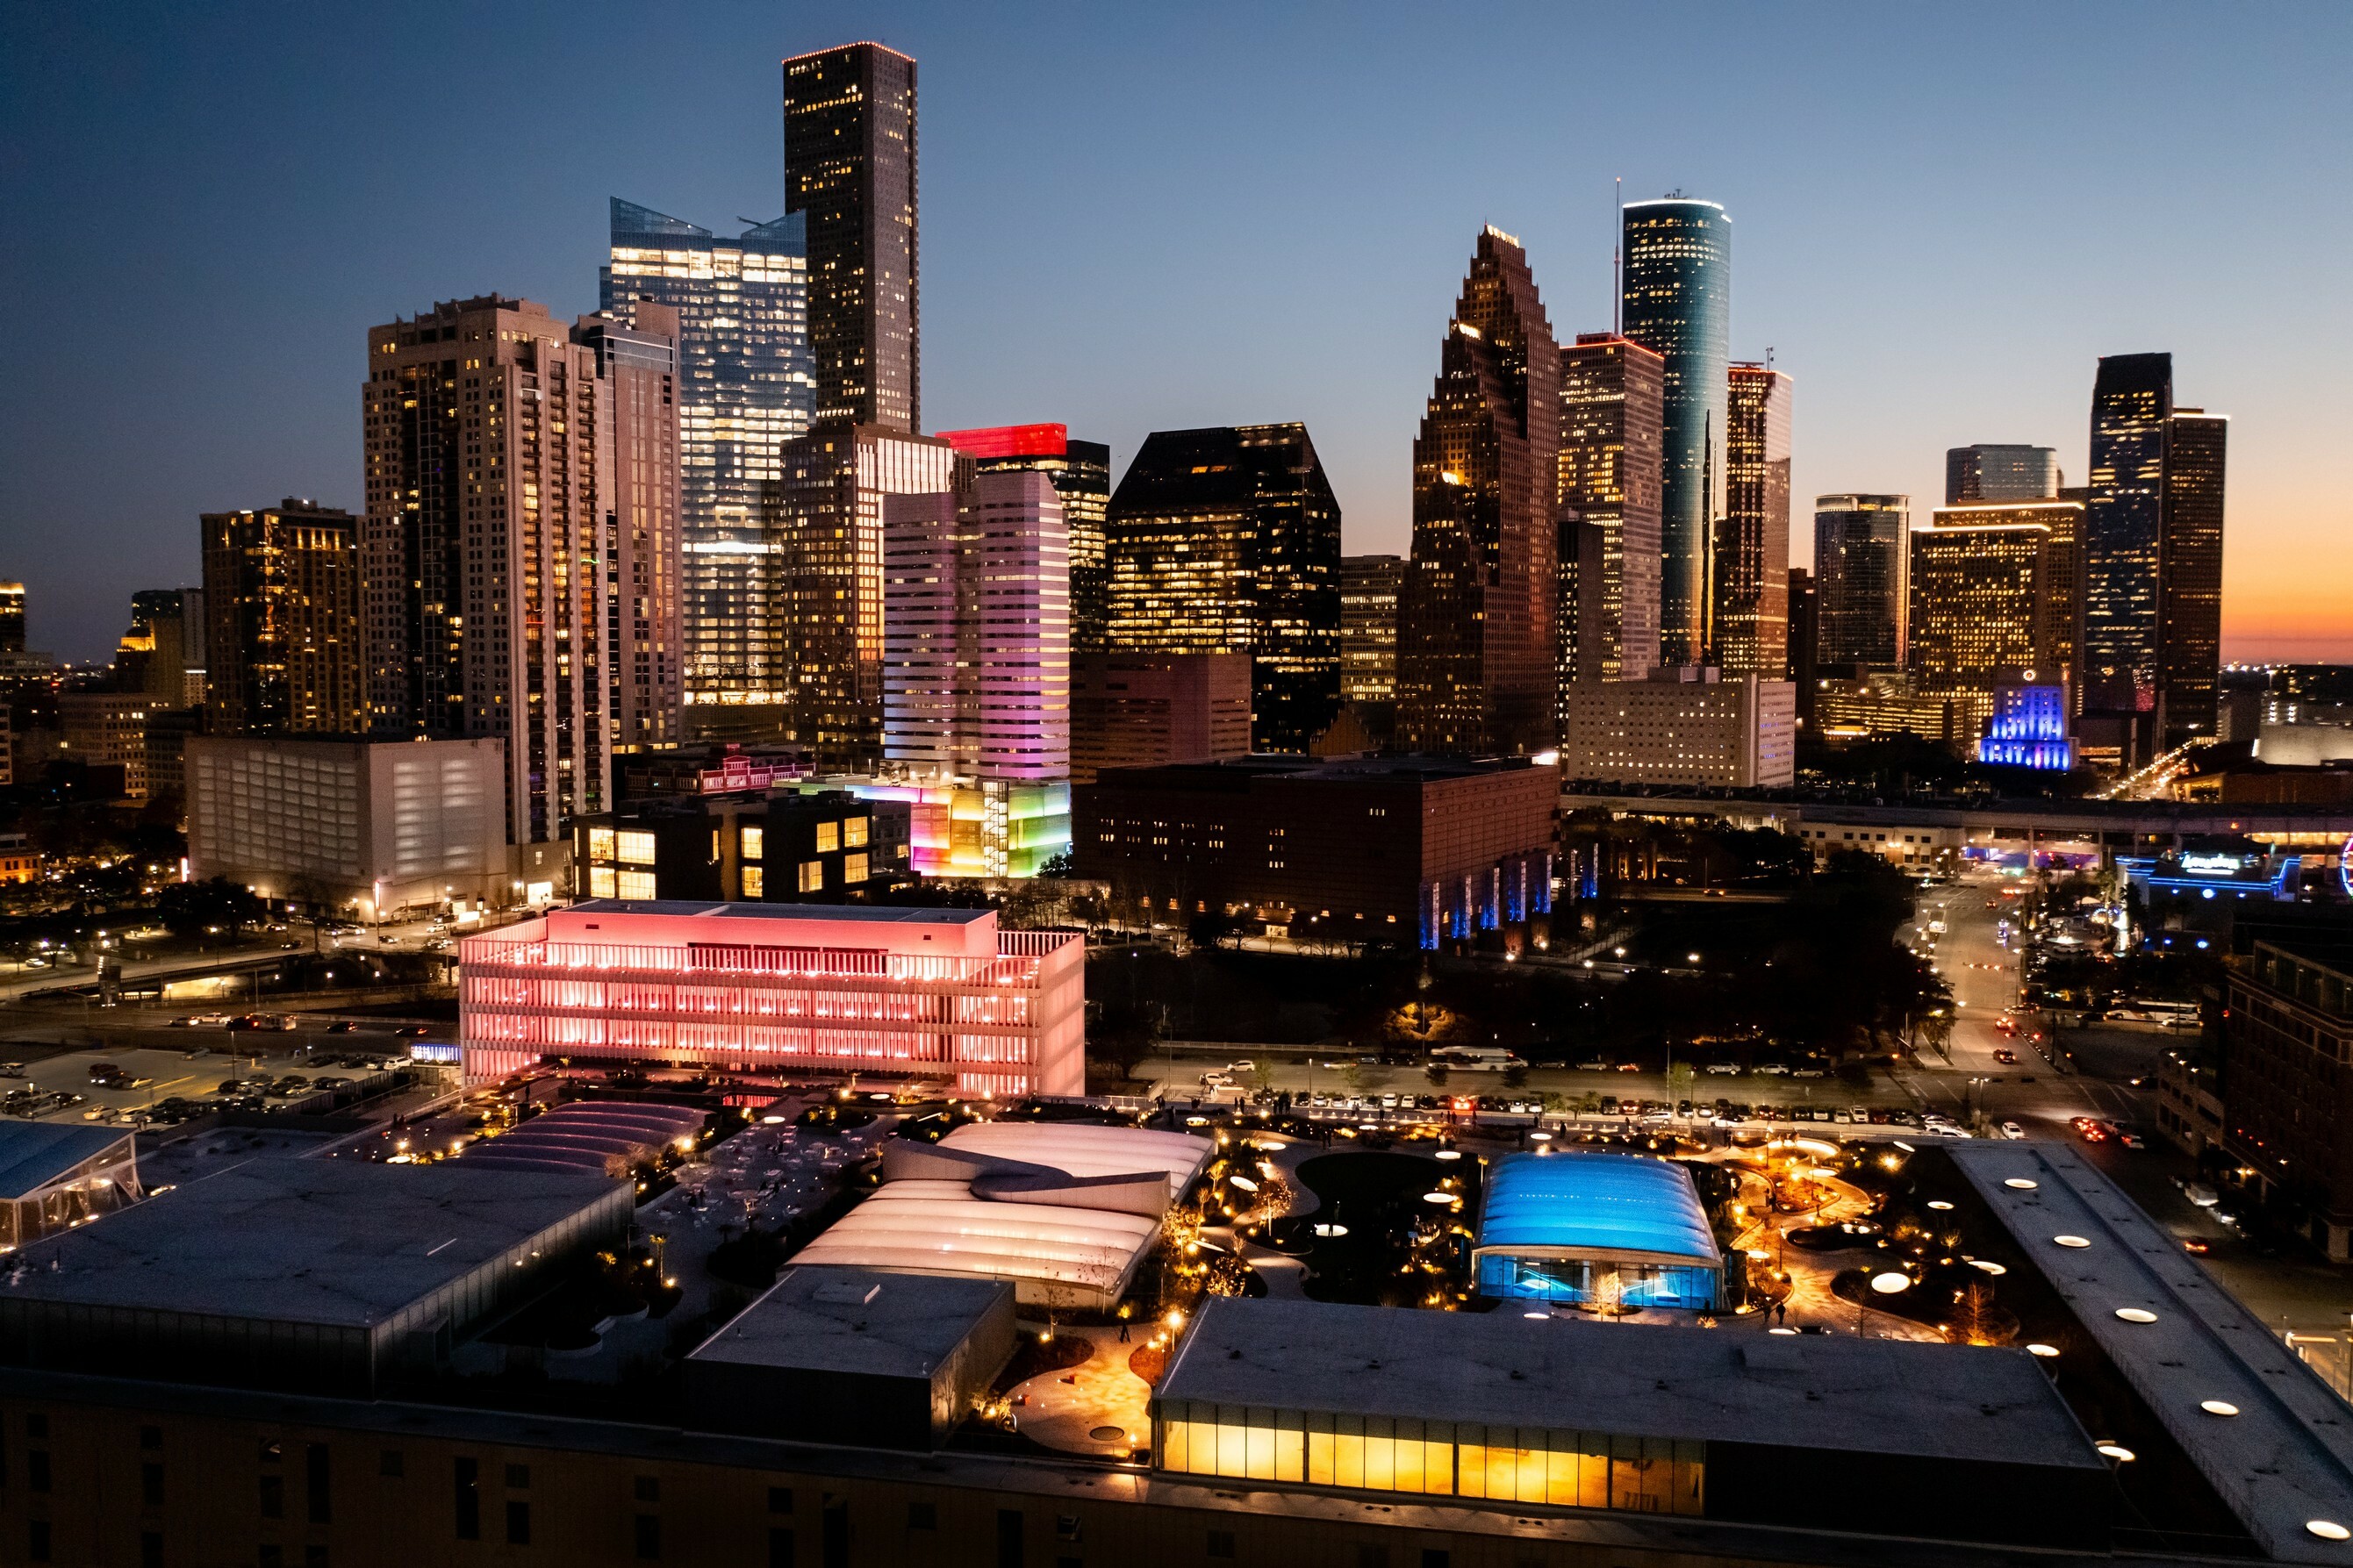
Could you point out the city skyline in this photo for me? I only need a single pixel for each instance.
(2001, 346)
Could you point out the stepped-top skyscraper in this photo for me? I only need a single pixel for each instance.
(1992, 472)
(1677, 298)
(745, 390)
(1476, 668)
(850, 170)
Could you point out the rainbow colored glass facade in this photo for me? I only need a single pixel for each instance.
(960, 828)
(2029, 728)
(938, 994)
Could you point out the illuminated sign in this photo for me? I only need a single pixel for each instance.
(423, 1052)
(1011, 441)
(2212, 865)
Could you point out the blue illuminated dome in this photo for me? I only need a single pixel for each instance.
(1560, 1227)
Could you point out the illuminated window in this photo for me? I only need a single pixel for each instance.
(752, 881)
(637, 884)
(853, 868)
(600, 844)
(853, 834)
(812, 876)
(828, 838)
(600, 882)
(751, 842)
(638, 849)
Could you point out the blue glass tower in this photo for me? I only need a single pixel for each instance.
(1676, 292)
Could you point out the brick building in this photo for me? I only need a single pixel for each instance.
(2287, 1077)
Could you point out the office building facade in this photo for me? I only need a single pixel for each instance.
(1805, 640)
(1863, 557)
(938, 996)
(1981, 603)
(1748, 587)
(374, 828)
(638, 483)
(1611, 407)
(281, 621)
(976, 628)
(1476, 655)
(108, 729)
(823, 520)
(487, 556)
(1081, 472)
(849, 172)
(1370, 587)
(2190, 580)
(1149, 709)
(163, 654)
(12, 616)
(1676, 299)
(744, 389)
(1683, 725)
(1228, 540)
(1411, 851)
(2000, 473)
(2132, 402)
(747, 845)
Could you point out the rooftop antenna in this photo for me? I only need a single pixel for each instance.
(1617, 263)
(1768, 356)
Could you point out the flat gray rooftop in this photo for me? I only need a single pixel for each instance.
(343, 1242)
(2285, 1459)
(823, 1319)
(866, 914)
(1876, 1396)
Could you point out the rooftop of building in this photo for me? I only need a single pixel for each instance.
(855, 914)
(35, 1154)
(1830, 1393)
(2270, 1436)
(346, 1243)
(1234, 772)
(1619, 1204)
(857, 1321)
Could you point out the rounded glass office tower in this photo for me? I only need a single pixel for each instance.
(1676, 291)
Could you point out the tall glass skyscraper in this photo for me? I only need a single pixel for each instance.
(1607, 629)
(1863, 563)
(745, 390)
(2190, 592)
(1748, 583)
(2132, 404)
(1677, 297)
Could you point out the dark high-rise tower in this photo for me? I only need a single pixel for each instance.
(850, 167)
(1748, 586)
(1475, 650)
(1805, 639)
(1999, 473)
(281, 632)
(2190, 575)
(1861, 579)
(1677, 297)
(1611, 392)
(1228, 540)
(2132, 404)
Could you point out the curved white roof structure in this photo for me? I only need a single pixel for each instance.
(1055, 1254)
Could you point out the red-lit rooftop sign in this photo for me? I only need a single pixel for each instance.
(1011, 441)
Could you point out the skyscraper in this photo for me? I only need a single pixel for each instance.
(823, 525)
(12, 616)
(1677, 298)
(2190, 577)
(849, 168)
(637, 484)
(1805, 640)
(1610, 407)
(1981, 605)
(1748, 590)
(1081, 471)
(976, 628)
(1476, 656)
(744, 389)
(486, 553)
(281, 621)
(2061, 583)
(1227, 540)
(2132, 401)
(1370, 587)
(1861, 563)
(1999, 473)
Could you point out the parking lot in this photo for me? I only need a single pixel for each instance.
(145, 1084)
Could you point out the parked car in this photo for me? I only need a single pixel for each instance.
(1724, 1070)
(2012, 1130)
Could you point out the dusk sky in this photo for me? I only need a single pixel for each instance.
(1137, 218)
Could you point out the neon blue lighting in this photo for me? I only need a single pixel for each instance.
(1638, 1218)
(2028, 730)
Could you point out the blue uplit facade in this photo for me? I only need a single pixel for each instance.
(1560, 1227)
(2029, 730)
(1677, 297)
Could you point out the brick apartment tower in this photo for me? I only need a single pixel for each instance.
(1476, 654)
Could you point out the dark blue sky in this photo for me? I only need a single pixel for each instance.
(1140, 216)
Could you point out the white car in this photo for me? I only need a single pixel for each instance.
(2012, 1130)
(1726, 1070)
(1773, 1070)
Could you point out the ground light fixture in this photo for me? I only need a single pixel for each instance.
(2045, 1352)
(1988, 1265)
(2020, 1183)
(1891, 1282)
(1448, 1154)
(2072, 1241)
(1540, 1137)
(2328, 1530)
(2135, 1314)
(2218, 1408)
(2118, 1452)
(1938, 1204)
(1438, 1198)
(1331, 1232)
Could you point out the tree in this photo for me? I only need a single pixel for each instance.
(1680, 1078)
(198, 909)
(1436, 1073)
(1058, 864)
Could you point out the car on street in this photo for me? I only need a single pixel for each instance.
(1727, 1070)
(2005, 1056)
(2198, 1244)
(2012, 1130)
